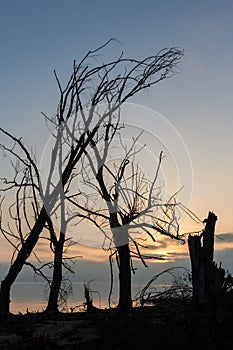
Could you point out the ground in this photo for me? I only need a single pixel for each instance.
(170, 324)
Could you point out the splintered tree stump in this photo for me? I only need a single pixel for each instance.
(207, 278)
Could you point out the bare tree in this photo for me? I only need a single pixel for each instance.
(123, 199)
(179, 287)
(76, 126)
(20, 210)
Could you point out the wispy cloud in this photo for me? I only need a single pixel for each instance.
(227, 237)
(223, 241)
(196, 65)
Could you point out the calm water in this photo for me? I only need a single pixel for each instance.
(32, 296)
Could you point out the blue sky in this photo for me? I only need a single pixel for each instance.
(39, 36)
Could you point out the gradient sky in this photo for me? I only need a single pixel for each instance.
(39, 36)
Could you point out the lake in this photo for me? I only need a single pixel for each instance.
(32, 296)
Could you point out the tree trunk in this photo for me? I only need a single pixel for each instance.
(198, 269)
(52, 306)
(201, 256)
(5, 297)
(89, 301)
(125, 294)
(121, 241)
(18, 264)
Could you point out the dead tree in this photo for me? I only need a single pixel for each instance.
(128, 203)
(207, 278)
(123, 206)
(134, 76)
(77, 126)
(21, 216)
(131, 76)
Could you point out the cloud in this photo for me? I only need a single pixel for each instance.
(157, 245)
(178, 255)
(223, 242)
(227, 237)
(225, 258)
(218, 28)
(197, 66)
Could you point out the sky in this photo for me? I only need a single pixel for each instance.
(40, 36)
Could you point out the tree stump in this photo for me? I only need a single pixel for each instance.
(207, 278)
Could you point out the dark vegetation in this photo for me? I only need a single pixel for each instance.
(170, 322)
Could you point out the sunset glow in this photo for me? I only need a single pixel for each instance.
(182, 159)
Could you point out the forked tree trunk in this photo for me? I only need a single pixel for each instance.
(125, 294)
(205, 274)
(52, 306)
(32, 239)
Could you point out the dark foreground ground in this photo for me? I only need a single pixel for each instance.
(168, 325)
